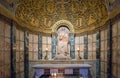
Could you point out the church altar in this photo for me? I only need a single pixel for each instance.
(76, 69)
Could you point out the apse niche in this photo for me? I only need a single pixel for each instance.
(63, 47)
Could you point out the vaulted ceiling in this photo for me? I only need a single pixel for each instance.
(39, 15)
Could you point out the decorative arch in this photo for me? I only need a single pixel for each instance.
(63, 22)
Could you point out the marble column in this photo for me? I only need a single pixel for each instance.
(109, 51)
(72, 46)
(86, 47)
(13, 49)
(54, 43)
(26, 55)
(98, 64)
(39, 46)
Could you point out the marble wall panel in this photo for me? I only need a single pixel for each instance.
(35, 47)
(49, 40)
(114, 55)
(35, 38)
(30, 56)
(17, 35)
(30, 38)
(114, 45)
(90, 38)
(77, 40)
(94, 37)
(90, 55)
(1, 58)
(17, 56)
(102, 45)
(119, 28)
(21, 35)
(35, 55)
(102, 36)
(7, 30)
(81, 39)
(102, 66)
(30, 47)
(1, 28)
(17, 67)
(7, 44)
(114, 30)
(44, 39)
(21, 66)
(7, 58)
(90, 47)
(44, 47)
(114, 70)
(94, 55)
(21, 56)
(49, 48)
(102, 56)
(94, 47)
(81, 47)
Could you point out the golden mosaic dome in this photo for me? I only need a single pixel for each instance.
(39, 15)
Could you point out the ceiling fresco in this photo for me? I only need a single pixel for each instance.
(43, 14)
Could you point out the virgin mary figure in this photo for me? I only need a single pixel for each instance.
(62, 45)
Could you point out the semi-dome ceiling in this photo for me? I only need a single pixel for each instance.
(39, 15)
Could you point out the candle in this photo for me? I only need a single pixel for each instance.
(54, 74)
(46, 49)
(78, 49)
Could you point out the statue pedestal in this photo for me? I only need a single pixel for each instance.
(62, 57)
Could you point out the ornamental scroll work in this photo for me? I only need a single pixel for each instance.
(45, 13)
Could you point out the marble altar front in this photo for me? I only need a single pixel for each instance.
(82, 69)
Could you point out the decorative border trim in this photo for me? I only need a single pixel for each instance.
(63, 22)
